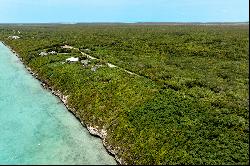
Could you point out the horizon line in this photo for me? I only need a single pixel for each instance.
(139, 22)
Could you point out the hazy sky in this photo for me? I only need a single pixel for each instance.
(123, 11)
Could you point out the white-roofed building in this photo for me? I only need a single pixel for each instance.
(72, 59)
(67, 47)
(52, 52)
(14, 37)
(43, 53)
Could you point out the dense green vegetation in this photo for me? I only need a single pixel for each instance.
(187, 105)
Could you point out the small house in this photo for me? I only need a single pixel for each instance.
(67, 47)
(52, 52)
(14, 37)
(43, 53)
(72, 59)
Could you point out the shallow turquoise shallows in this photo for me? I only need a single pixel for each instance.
(35, 127)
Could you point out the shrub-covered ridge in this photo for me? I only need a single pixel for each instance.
(188, 106)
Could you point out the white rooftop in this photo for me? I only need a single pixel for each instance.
(67, 46)
(43, 53)
(14, 37)
(72, 59)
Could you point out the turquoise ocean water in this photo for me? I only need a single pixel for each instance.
(35, 127)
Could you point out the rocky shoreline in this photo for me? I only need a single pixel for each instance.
(94, 131)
